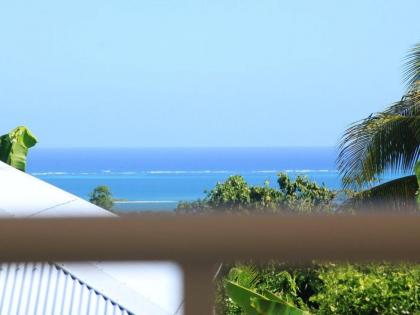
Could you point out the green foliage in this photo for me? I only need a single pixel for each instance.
(272, 281)
(395, 195)
(412, 67)
(237, 196)
(292, 285)
(266, 197)
(385, 141)
(232, 194)
(333, 288)
(242, 296)
(275, 307)
(102, 197)
(14, 147)
(370, 289)
(304, 195)
(245, 275)
(253, 303)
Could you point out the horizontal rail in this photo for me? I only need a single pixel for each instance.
(209, 239)
(198, 243)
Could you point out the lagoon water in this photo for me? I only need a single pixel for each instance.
(158, 178)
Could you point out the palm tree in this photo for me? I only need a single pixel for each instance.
(386, 141)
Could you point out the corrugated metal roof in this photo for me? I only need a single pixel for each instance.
(46, 288)
(24, 196)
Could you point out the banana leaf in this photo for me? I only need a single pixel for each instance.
(271, 296)
(254, 303)
(242, 297)
(265, 307)
(14, 147)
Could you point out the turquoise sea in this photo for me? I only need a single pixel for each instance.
(158, 178)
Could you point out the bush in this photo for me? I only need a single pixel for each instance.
(294, 285)
(237, 196)
(102, 197)
(369, 289)
(334, 288)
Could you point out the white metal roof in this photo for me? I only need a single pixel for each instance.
(23, 195)
(44, 288)
(142, 288)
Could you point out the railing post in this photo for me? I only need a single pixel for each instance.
(198, 289)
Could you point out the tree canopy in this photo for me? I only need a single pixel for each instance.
(102, 197)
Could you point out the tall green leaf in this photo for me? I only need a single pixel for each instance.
(254, 303)
(270, 307)
(277, 306)
(14, 147)
(242, 297)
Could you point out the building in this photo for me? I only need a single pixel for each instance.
(77, 288)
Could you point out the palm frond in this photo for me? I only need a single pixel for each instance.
(386, 141)
(245, 275)
(409, 106)
(412, 68)
(395, 195)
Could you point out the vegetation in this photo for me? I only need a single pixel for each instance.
(324, 288)
(14, 147)
(254, 303)
(102, 197)
(395, 195)
(386, 141)
(235, 195)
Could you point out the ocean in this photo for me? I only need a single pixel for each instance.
(158, 178)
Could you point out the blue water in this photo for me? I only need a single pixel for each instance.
(160, 178)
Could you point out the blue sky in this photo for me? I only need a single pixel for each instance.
(199, 73)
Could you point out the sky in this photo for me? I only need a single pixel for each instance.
(216, 73)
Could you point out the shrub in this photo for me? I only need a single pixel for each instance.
(102, 197)
(335, 288)
(237, 196)
(369, 289)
